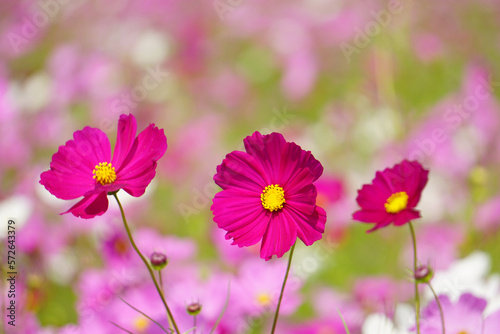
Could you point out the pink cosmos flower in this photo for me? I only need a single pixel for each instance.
(392, 196)
(268, 194)
(464, 316)
(83, 167)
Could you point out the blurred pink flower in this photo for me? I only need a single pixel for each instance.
(268, 194)
(211, 294)
(83, 167)
(392, 196)
(438, 245)
(332, 326)
(328, 303)
(261, 296)
(330, 189)
(459, 130)
(380, 294)
(464, 316)
(301, 69)
(427, 47)
(229, 253)
(333, 198)
(176, 249)
(488, 215)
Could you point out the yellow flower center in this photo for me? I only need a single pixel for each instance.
(264, 299)
(104, 173)
(397, 202)
(141, 324)
(462, 332)
(273, 197)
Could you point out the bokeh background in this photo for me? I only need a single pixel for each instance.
(361, 84)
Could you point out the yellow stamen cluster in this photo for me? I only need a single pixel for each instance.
(264, 299)
(141, 324)
(104, 173)
(273, 197)
(397, 202)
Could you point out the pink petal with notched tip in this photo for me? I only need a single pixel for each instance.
(280, 236)
(405, 216)
(139, 166)
(70, 175)
(239, 169)
(125, 136)
(241, 214)
(90, 206)
(310, 228)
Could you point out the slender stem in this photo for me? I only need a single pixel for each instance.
(161, 287)
(160, 279)
(417, 297)
(439, 306)
(194, 324)
(282, 289)
(160, 291)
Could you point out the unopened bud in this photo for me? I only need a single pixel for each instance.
(158, 261)
(423, 274)
(193, 308)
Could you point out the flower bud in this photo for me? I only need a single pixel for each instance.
(193, 308)
(423, 274)
(158, 261)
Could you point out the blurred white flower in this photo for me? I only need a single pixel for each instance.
(17, 208)
(469, 275)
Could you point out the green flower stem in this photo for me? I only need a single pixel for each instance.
(417, 297)
(161, 287)
(282, 289)
(160, 291)
(439, 306)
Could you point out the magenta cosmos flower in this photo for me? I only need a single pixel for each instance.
(268, 194)
(392, 196)
(83, 167)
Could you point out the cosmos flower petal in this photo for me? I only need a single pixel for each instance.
(392, 196)
(280, 236)
(125, 136)
(70, 175)
(472, 302)
(231, 205)
(372, 197)
(433, 308)
(369, 216)
(90, 206)
(310, 227)
(268, 195)
(384, 182)
(293, 160)
(405, 216)
(238, 216)
(88, 155)
(416, 187)
(303, 194)
(383, 223)
(252, 232)
(139, 167)
(301, 180)
(267, 150)
(240, 169)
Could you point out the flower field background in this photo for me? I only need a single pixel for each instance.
(361, 84)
